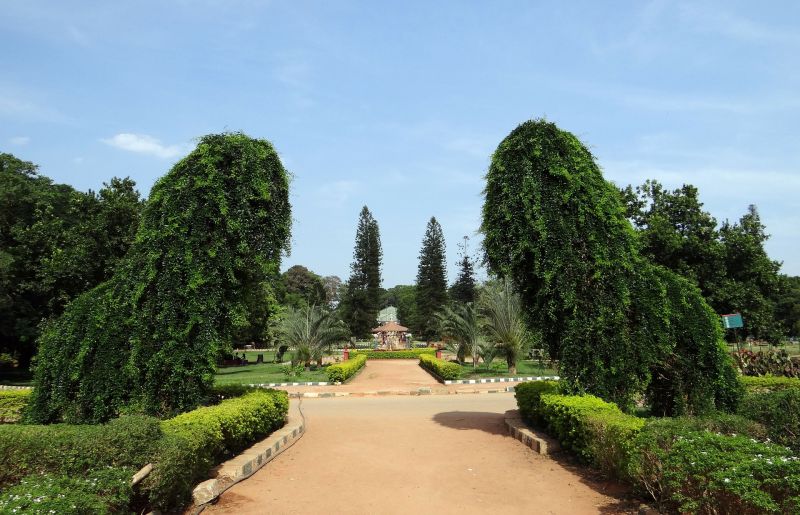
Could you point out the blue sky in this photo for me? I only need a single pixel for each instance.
(398, 105)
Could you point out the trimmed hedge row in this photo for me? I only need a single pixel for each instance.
(691, 465)
(439, 367)
(12, 403)
(341, 372)
(393, 354)
(58, 457)
(197, 440)
(768, 383)
(779, 411)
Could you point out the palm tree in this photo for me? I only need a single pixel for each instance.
(460, 323)
(503, 322)
(311, 331)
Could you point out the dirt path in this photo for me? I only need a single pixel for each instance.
(429, 454)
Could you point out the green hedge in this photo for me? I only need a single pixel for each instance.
(528, 396)
(12, 403)
(439, 367)
(393, 354)
(341, 372)
(58, 457)
(779, 412)
(768, 383)
(63, 449)
(195, 441)
(698, 471)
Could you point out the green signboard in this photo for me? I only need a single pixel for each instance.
(732, 321)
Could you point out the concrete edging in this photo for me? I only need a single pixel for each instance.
(537, 441)
(250, 460)
(501, 380)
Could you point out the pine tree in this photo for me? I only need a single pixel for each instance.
(362, 295)
(431, 280)
(463, 290)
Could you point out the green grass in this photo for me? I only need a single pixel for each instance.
(792, 348)
(264, 373)
(498, 368)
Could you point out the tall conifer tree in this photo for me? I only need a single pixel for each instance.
(463, 290)
(362, 296)
(431, 280)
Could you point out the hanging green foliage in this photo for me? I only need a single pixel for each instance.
(212, 232)
(558, 229)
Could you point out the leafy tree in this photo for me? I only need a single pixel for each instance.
(362, 293)
(558, 230)
(302, 287)
(147, 340)
(751, 285)
(55, 242)
(310, 331)
(463, 290)
(459, 324)
(788, 306)
(504, 323)
(431, 294)
(676, 232)
(403, 297)
(333, 286)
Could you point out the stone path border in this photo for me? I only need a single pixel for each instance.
(381, 393)
(501, 380)
(9, 387)
(536, 440)
(245, 464)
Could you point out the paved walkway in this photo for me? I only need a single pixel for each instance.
(401, 454)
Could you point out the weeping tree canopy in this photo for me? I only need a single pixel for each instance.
(618, 323)
(212, 233)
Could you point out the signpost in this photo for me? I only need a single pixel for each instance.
(733, 321)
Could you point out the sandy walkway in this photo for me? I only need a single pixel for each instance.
(429, 454)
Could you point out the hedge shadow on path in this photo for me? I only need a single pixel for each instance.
(494, 423)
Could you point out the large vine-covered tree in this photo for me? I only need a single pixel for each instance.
(558, 229)
(431, 294)
(147, 340)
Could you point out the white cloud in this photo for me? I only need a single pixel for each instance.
(144, 144)
(19, 140)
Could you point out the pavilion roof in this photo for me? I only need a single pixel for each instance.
(390, 327)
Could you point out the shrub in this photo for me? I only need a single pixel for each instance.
(768, 383)
(393, 354)
(341, 372)
(779, 411)
(12, 404)
(693, 471)
(440, 368)
(195, 441)
(63, 449)
(610, 441)
(528, 395)
(100, 491)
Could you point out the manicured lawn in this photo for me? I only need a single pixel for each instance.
(792, 348)
(498, 368)
(264, 373)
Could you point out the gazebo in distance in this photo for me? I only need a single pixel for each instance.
(391, 336)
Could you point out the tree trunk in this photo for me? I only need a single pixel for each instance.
(512, 366)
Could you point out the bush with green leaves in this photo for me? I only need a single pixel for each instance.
(779, 412)
(105, 490)
(441, 369)
(148, 339)
(528, 396)
(341, 372)
(771, 362)
(12, 405)
(768, 383)
(698, 471)
(393, 354)
(619, 325)
(195, 441)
